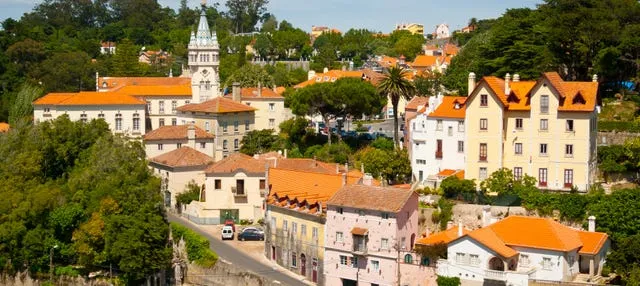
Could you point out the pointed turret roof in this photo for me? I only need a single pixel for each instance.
(203, 36)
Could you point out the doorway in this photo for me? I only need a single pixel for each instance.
(314, 268)
(303, 265)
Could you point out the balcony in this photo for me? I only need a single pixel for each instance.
(438, 154)
(483, 158)
(568, 185)
(359, 251)
(495, 275)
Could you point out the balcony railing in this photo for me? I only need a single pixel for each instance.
(483, 158)
(360, 250)
(238, 192)
(495, 275)
(438, 154)
(568, 185)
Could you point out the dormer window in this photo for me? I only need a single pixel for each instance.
(456, 106)
(578, 99)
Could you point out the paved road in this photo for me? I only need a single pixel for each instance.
(237, 257)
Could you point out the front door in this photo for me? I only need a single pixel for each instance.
(314, 266)
(303, 265)
(273, 253)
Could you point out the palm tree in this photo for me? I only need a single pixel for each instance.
(395, 86)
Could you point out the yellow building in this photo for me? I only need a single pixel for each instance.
(545, 129)
(414, 28)
(295, 217)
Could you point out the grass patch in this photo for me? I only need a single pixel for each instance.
(198, 250)
(618, 111)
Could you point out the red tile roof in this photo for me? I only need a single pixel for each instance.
(118, 82)
(217, 105)
(442, 237)
(183, 157)
(537, 233)
(88, 98)
(252, 92)
(451, 107)
(237, 162)
(4, 127)
(372, 198)
(416, 101)
(177, 132)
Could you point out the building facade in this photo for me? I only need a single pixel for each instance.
(515, 251)
(545, 129)
(226, 119)
(123, 113)
(438, 137)
(269, 105)
(368, 229)
(168, 138)
(204, 61)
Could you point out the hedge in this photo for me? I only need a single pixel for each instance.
(198, 250)
(627, 126)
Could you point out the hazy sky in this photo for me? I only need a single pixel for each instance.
(377, 15)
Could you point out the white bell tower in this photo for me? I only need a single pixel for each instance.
(204, 60)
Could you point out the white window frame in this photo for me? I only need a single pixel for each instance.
(339, 236)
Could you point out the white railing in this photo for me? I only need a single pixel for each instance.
(496, 275)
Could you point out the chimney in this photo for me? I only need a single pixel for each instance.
(275, 88)
(266, 180)
(471, 83)
(344, 179)
(325, 70)
(507, 88)
(191, 136)
(592, 223)
(97, 81)
(486, 215)
(367, 180)
(315, 163)
(337, 168)
(344, 68)
(235, 92)
(285, 153)
(259, 89)
(516, 78)
(362, 168)
(459, 229)
(346, 168)
(311, 74)
(450, 224)
(595, 78)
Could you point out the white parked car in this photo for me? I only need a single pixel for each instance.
(227, 232)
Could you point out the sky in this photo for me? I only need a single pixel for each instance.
(376, 15)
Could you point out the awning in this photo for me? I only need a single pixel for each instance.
(359, 231)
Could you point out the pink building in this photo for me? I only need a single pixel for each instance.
(368, 230)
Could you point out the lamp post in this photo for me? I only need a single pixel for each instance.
(51, 262)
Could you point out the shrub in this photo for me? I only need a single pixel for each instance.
(448, 281)
(198, 250)
(67, 271)
(628, 126)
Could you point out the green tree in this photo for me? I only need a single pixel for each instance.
(245, 14)
(125, 61)
(395, 86)
(430, 84)
(22, 109)
(259, 141)
(191, 193)
(453, 186)
(250, 75)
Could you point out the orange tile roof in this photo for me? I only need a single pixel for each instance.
(574, 96)
(447, 172)
(280, 90)
(177, 132)
(304, 186)
(88, 98)
(387, 61)
(359, 231)
(4, 127)
(537, 233)
(442, 237)
(417, 101)
(183, 157)
(422, 61)
(447, 109)
(372, 198)
(451, 49)
(238, 162)
(217, 105)
(157, 90)
(252, 93)
(592, 242)
(107, 44)
(118, 82)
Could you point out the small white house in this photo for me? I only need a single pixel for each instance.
(437, 138)
(518, 249)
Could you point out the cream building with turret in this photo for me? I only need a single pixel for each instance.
(545, 129)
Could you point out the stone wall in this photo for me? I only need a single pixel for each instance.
(614, 138)
(24, 279)
(223, 274)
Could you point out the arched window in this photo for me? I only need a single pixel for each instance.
(408, 258)
(424, 261)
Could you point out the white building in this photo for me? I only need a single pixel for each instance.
(442, 31)
(437, 138)
(107, 48)
(123, 113)
(270, 110)
(177, 169)
(168, 138)
(518, 249)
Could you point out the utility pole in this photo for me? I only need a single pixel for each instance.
(51, 263)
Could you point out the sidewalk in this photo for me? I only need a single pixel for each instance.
(255, 249)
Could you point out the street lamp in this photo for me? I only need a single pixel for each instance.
(51, 262)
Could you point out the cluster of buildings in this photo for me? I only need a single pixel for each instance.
(544, 128)
(337, 226)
